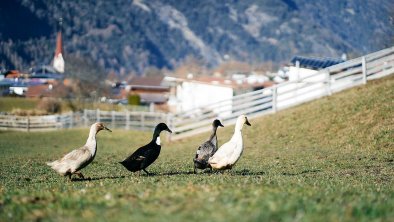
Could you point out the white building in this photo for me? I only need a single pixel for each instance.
(192, 94)
(301, 74)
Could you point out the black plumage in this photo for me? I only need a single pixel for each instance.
(146, 155)
(207, 149)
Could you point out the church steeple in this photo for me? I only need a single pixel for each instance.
(58, 61)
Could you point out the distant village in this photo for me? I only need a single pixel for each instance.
(168, 93)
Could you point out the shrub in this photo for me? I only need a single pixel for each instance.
(50, 105)
(134, 99)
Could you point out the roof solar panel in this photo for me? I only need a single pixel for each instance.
(315, 63)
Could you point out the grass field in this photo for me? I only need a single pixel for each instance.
(7, 104)
(11, 104)
(328, 160)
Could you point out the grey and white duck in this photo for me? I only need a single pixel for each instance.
(229, 153)
(146, 155)
(76, 160)
(207, 149)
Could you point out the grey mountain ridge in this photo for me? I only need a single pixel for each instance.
(133, 35)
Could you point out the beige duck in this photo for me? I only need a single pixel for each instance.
(78, 159)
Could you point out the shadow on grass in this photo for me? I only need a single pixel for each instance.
(214, 172)
(300, 173)
(97, 178)
(248, 173)
(177, 173)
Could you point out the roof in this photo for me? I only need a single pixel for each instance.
(315, 62)
(59, 48)
(146, 81)
(42, 69)
(219, 81)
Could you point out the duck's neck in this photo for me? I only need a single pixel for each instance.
(213, 137)
(91, 143)
(156, 137)
(237, 131)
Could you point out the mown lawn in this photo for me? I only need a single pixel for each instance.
(328, 160)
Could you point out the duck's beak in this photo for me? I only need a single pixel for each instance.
(168, 130)
(220, 124)
(107, 129)
(247, 122)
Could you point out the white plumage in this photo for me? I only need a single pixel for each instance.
(229, 153)
(79, 158)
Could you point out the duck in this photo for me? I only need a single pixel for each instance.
(207, 149)
(230, 152)
(76, 160)
(146, 155)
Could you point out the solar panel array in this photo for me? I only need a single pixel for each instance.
(315, 63)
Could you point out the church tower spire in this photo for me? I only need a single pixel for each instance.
(58, 61)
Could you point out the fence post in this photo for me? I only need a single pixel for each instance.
(127, 120)
(142, 121)
(85, 117)
(274, 98)
(328, 82)
(97, 115)
(72, 120)
(169, 124)
(28, 123)
(113, 119)
(364, 68)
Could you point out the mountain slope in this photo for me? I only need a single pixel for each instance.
(130, 36)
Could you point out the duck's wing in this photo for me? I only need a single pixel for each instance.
(72, 161)
(141, 158)
(223, 153)
(137, 155)
(205, 151)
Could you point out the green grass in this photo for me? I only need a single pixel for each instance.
(7, 104)
(328, 160)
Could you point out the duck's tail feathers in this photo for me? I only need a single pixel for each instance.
(60, 167)
(212, 160)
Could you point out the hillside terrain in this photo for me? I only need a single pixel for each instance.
(327, 160)
(130, 36)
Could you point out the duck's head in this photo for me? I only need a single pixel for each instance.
(244, 120)
(100, 126)
(216, 123)
(162, 126)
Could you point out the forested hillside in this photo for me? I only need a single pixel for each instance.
(126, 36)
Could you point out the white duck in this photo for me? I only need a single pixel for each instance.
(229, 153)
(79, 158)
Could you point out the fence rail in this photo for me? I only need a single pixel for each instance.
(254, 104)
(269, 100)
(124, 120)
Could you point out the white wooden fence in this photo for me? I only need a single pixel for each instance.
(269, 100)
(37, 123)
(124, 120)
(257, 103)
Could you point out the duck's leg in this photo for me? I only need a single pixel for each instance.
(195, 170)
(146, 172)
(80, 175)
